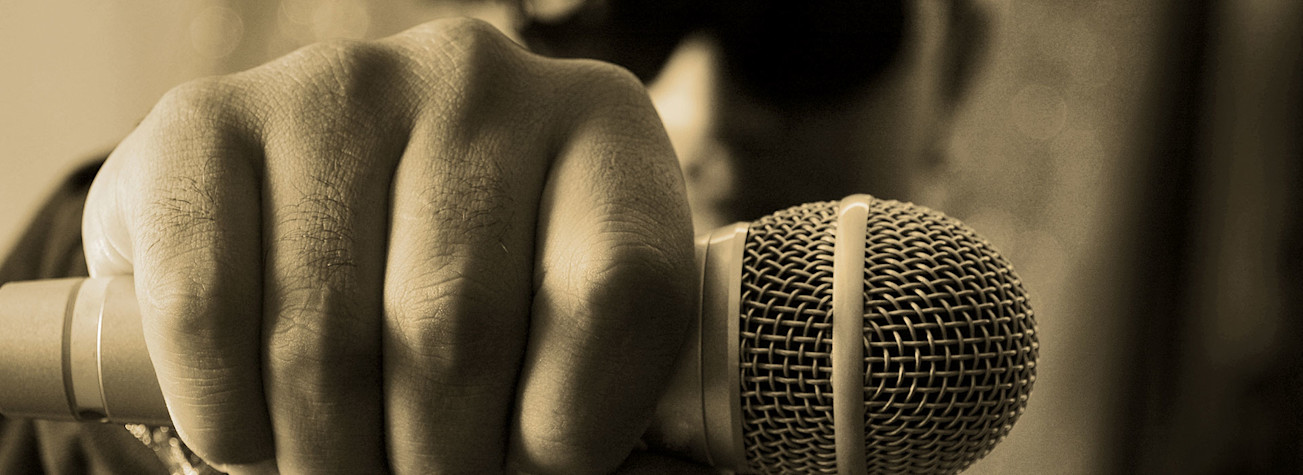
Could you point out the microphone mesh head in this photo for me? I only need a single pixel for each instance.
(949, 342)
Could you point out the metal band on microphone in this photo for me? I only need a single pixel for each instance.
(722, 297)
(848, 334)
(82, 360)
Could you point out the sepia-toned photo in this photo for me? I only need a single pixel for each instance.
(651, 237)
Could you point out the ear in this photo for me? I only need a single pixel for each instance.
(967, 40)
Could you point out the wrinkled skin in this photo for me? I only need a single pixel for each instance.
(435, 252)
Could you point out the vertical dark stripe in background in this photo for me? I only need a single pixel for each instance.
(1217, 291)
(1159, 228)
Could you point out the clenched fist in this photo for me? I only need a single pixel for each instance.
(435, 252)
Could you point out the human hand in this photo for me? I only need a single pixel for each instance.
(434, 252)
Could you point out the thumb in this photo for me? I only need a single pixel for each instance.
(106, 239)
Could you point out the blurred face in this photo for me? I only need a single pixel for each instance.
(757, 134)
(746, 155)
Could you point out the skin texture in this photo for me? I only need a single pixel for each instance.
(437, 252)
(350, 260)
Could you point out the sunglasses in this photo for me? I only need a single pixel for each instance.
(779, 51)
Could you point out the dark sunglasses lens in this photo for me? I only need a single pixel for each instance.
(820, 50)
(784, 51)
(636, 34)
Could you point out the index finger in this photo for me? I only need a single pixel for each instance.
(613, 280)
(176, 204)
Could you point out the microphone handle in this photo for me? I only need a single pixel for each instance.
(74, 350)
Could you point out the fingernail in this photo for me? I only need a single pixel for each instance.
(265, 467)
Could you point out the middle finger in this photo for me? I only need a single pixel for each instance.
(327, 173)
(458, 282)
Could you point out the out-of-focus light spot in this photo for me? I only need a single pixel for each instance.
(1081, 156)
(216, 31)
(340, 19)
(1076, 46)
(301, 22)
(1090, 61)
(1103, 67)
(297, 12)
(1039, 112)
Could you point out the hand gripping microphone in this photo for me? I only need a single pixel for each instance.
(859, 336)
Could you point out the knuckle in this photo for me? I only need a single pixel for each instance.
(180, 208)
(606, 83)
(462, 327)
(189, 197)
(617, 77)
(319, 339)
(335, 51)
(455, 57)
(468, 31)
(178, 227)
(201, 129)
(342, 66)
(334, 76)
(612, 101)
(628, 280)
(178, 236)
(180, 304)
(319, 308)
(635, 243)
(199, 95)
(459, 38)
(203, 114)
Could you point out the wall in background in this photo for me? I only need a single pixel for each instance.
(1040, 164)
(76, 77)
(1051, 162)
(1038, 143)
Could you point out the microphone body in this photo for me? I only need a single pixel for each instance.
(74, 350)
(840, 337)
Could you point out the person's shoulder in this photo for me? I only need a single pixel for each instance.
(50, 246)
(81, 177)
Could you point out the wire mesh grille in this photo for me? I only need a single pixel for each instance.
(949, 342)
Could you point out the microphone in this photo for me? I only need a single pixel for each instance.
(859, 336)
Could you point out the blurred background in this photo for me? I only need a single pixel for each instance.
(1137, 161)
